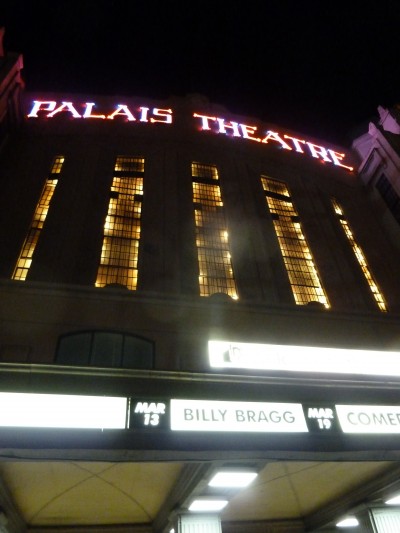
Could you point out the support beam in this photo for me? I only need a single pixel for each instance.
(356, 499)
(190, 477)
(14, 521)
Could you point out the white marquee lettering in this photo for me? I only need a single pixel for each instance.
(274, 136)
(296, 143)
(39, 105)
(166, 115)
(122, 110)
(65, 106)
(144, 113)
(234, 126)
(219, 125)
(337, 158)
(204, 120)
(88, 111)
(248, 131)
(317, 151)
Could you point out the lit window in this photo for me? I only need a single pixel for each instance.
(303, 276)
(25, 257)
(105, 349)
(120, 251)
(359, 254)
(212, 240)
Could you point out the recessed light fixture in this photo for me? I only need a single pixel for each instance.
(232, 479)
(204, 505)
(393, 501)
(350, 521)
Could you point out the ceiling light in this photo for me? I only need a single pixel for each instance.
(350, 521)
(232, 479)
(203, 505)
(394, 501)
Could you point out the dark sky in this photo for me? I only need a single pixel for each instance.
(319, 67)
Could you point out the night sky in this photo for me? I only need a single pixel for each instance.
(318, 67)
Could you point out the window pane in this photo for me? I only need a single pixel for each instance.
(138, 353)
(25, 257)
(120, 250)
(74, 349)
(359, 255)
(212, 239)
(106, 349)
(303, 275)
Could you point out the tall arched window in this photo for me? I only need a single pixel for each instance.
(39, 217)
(120, 250)
(212, 241)
(303, 276)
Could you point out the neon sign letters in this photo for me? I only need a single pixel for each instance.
(143, 114)
(218, 125)
(235, 129)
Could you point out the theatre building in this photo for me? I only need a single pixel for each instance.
(192, 300)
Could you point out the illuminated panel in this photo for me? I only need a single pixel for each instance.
(216, 273)
(257, 417)
(25, 257)
(376, 293)
(207, 505)
(62, 411)
(369, 418)
(303, 276)
(287, 358)
(120, 251)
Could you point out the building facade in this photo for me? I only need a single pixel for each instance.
(198, 265)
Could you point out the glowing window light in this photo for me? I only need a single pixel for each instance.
(232, 479)
(215, 265)
(62, 411)
(359, 255)
(24, 261)
(207, 505)
(122, 227)
(303, 276)
(351, 521)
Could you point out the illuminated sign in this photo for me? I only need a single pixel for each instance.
(148, 414)
(30, 410)
(62, 411)
(219, 125)
(276, 357)
(286, 142)
(369, 418)
(260, 417)
(142, 114)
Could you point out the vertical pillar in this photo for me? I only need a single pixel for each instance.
(198, 523)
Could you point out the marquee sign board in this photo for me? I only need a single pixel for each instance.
(219, 125)
(30, 410)
(217, 416)
(312, 359)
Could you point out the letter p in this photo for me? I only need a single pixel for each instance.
(39, 105)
